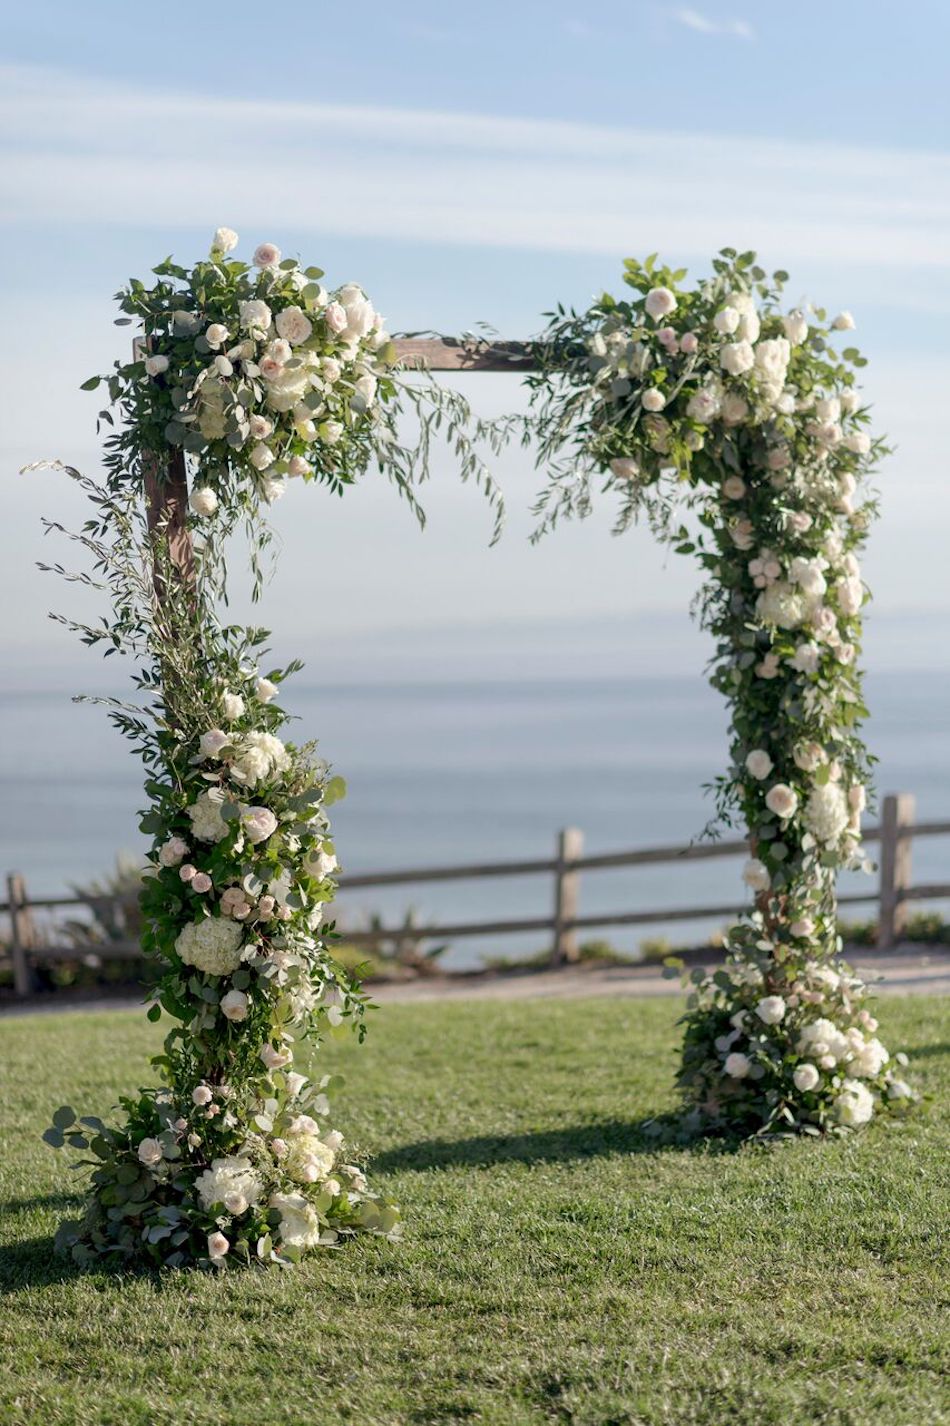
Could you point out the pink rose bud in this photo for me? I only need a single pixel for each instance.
(201, 882)
(689, 343)
(188, 872)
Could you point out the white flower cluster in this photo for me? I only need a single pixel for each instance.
(212, 945)
(276, 387)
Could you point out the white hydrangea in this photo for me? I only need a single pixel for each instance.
(781, 605)
(827, 813)
(308, 1158)
(258, 756)
(205, 815)
(232, 1177)
(299, 1224)
(212, 944)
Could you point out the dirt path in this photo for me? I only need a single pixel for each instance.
(908, 971)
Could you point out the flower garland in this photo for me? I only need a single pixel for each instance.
(719, 402)
(248, 376)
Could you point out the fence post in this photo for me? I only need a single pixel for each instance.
(897, 813)
(570, 846)
(21, 933)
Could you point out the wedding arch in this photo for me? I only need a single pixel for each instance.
(735, 427)
(732, 425)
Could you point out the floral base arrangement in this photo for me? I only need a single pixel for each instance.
(777, 1042)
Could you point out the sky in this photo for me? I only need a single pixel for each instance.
(465, 165)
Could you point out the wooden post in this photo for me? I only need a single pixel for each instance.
(570, 846)
(897, 813)
(21, 933)
(166, 504)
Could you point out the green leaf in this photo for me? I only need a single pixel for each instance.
(91, 384)
(153, 1013)
(335, 790)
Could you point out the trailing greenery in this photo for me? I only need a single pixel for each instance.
(559, 1265)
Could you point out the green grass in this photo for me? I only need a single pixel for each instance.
(556, 1267)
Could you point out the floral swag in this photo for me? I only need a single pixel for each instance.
(248, 375)
(720, 407)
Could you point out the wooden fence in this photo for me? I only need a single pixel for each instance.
(893, 895)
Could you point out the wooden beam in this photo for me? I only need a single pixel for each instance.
(465, 354)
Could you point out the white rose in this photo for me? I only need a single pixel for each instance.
(330, 432)
(300, 1225)
(782, 800)
(758, 763)
(737, 1066)
(150, 1152)
(734, 409)
(733, 487)
(320, 863)
(858, 441)
(850, 595)
(660, 302)
(771, 361)
(216, 335)
(737, 357)
(808, 575)
(295, 1083)
(796, 327)
(857, 797)
(261, 456)
(366, 387)
(726, 321)
(771, 1010)
(172, 852)
(334, 314)
(225, 240)
(255, 316)
(264, 690)
(259, 823)
(625, 468)
(805, 1077)
(360, 315)
(755, 874)
(266, 255)
(805, 659)
(653, 400)
(203, 501)
(855, 1103)
(234, 1005)
(218, 1247)
(232, 705)
(297, 466)
(211, 743)
(294, 325)
(828, 408)
(273, 488)
(704, 405)
(275, 1059)
(844, 322)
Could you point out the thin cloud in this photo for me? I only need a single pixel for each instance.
(98, 154)
(694, 20)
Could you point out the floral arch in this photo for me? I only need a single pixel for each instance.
(711, 401)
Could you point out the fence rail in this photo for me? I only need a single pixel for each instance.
(894, 894)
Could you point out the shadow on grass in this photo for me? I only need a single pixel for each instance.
(925, 1051)
(583, 1141)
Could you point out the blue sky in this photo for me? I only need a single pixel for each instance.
(465, 164)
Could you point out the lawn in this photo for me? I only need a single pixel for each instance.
(557, 1266)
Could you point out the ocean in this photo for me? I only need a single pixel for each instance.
(466, 771)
